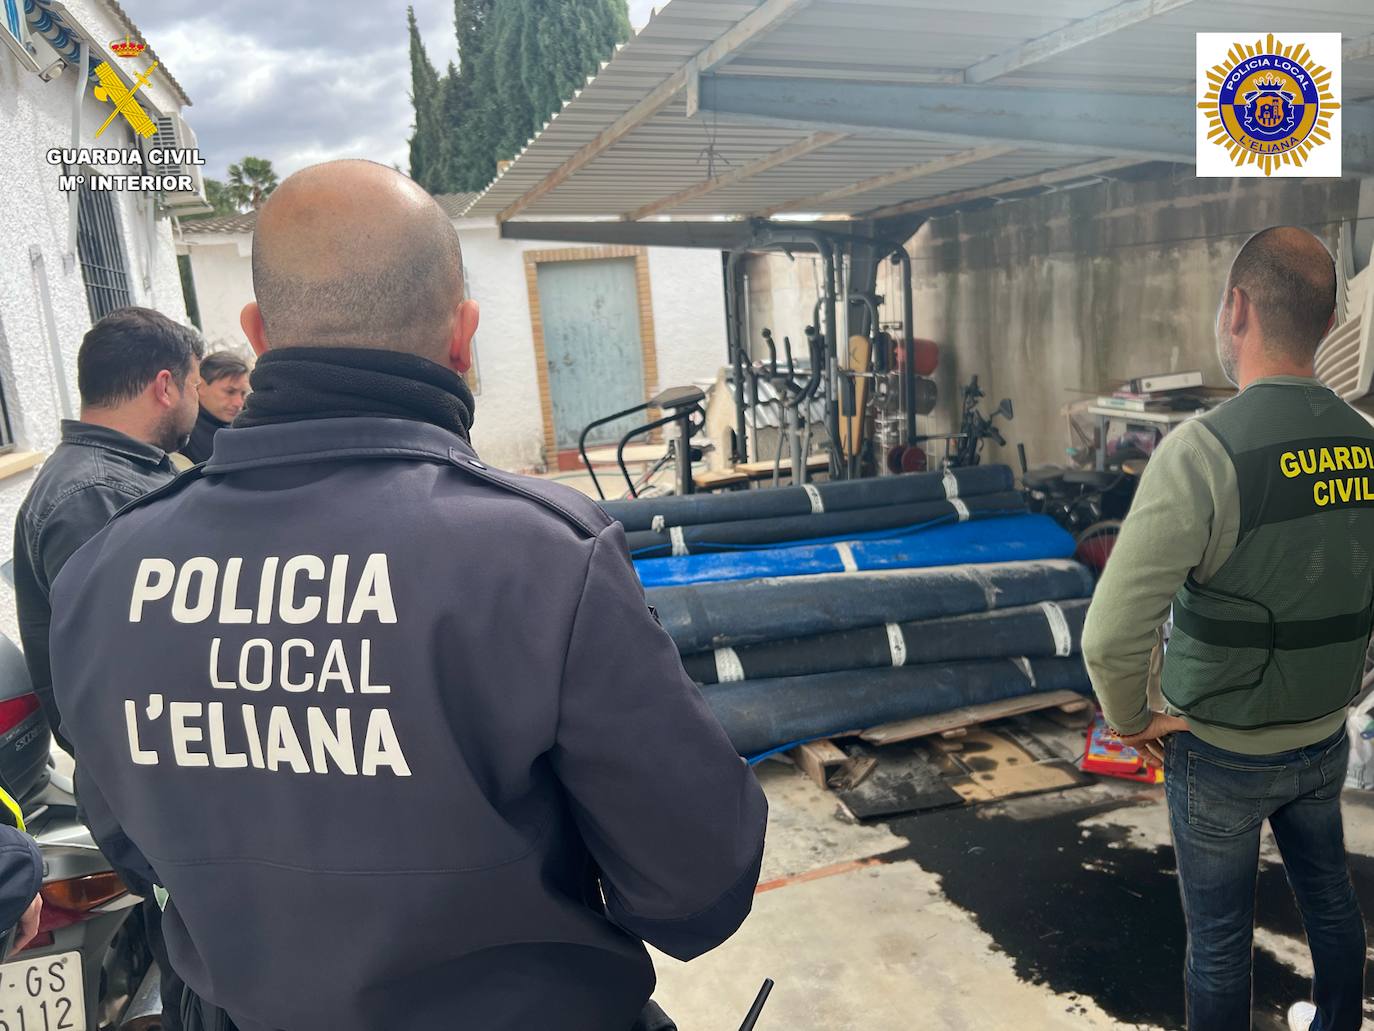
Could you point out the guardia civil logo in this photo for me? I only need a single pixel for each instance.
(1269, 107)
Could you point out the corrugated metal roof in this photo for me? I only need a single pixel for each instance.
(452, 203)
(902, 41)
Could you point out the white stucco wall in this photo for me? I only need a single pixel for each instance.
(222, 267)
(689, 327)
(688, 305)
(35, 116)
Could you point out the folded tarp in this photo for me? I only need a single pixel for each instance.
(1015, 538)
(1049, 629)
(754, 533)
(841, 496)
(764, 714)
(700, 617)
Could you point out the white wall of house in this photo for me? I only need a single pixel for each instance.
(222, 269)
(35, 116)
(688, 306)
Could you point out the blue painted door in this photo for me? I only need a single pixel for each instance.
(590, 311)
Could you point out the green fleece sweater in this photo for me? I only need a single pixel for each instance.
(1185, 519)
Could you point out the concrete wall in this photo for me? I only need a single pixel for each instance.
(222, 270)
(689, 323)
(1067, 295)
(1061, 297)
(35, 116)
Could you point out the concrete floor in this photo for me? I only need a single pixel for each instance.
(1056, 911)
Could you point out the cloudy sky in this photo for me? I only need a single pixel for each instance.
(300, 83)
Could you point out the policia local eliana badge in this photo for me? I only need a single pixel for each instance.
(1268, 107)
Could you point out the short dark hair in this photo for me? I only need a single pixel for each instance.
(123, 352)
(1290, 278)
(222, 365)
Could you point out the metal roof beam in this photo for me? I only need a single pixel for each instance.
(801, 148)
(901, 175)
(762, 19)
(1145, 126)
(715, 235)
(1158, 127)
(1058, 175)
(1085, 30)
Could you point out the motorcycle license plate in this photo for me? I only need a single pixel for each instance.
(43, 994)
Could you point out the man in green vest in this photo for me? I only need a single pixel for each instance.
(1255, 523)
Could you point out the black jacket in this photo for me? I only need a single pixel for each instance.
(91, 475)
(202, 440)
(470, 730)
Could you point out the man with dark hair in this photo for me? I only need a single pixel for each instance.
(1255, 522)
(359, 625)
(136, 372)
(223, 389)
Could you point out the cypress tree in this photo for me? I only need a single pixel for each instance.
(518, 61)
(426, 141)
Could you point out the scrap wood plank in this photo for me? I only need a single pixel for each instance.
(817, 758)
(970, 716)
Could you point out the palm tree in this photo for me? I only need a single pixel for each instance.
(251, 181)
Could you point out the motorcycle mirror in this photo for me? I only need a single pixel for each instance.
(1004, 409)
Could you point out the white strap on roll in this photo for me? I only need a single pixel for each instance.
(817, 503)
(951, 484)
(990, 591)
(728, 667)
(658, 524)
(1024, 665)
(847, 557)
(961, 508)
(896, 643)
(679, 542)
(1059, 628)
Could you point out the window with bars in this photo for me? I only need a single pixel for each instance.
(102, 254)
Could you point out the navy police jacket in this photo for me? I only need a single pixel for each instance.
(400, 737)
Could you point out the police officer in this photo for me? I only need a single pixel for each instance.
(413, 752)
(1256, 522)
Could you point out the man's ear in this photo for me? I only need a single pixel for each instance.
(160, 389)
(465, 318)
(254, 328)
(1241, 312)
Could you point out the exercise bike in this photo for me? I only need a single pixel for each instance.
(685, 410)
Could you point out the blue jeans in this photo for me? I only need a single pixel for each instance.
(1218, 801)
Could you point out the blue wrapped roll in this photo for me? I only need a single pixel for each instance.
(1015, 538)
(760, 715)
(703, 616)
(1049, 629)
(840, 496)
(884, 520)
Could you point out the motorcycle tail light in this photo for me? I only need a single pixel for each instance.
(82, 894)
(71, 901)
(14, 711)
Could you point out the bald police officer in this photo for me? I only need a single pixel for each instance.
(395, 730)
(1255, 522)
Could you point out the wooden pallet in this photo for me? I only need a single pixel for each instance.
(957, 722)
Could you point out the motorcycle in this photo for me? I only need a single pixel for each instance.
(1089, 503)
(89, 968)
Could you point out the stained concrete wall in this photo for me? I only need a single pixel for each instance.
(1067, 295)
(34, 117)
(688, 307)
(1064, 296)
